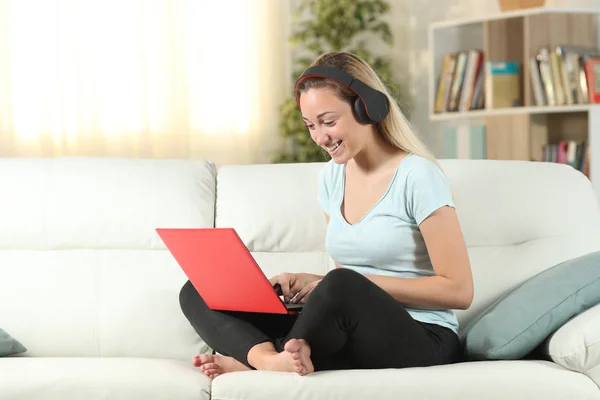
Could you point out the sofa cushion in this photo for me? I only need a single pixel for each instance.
(275, 211)
(82, 262)
(28, 378)
(272, 207)
(465, 381)
(101, 203)
(524, 317)
(9, 345)
(96, 303)
(576, 344)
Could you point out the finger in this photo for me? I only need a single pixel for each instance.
(279, 278)
(285, 289)
(304, 293)
(284, 282)
(311, 287)
(281, 285)
(305, 297)
(297, 286)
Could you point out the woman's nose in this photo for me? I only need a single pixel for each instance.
(320, 138)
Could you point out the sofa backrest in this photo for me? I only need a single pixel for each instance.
(518, 218)
(82, 270)
(275, 211)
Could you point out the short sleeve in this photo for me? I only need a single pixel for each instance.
(323, 192)
(428, 189)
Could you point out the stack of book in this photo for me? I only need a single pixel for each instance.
(565, 75)
(460, 82)
(575, 154)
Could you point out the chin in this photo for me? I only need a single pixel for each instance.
(339, 158)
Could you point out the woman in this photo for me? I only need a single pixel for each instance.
(401, 261)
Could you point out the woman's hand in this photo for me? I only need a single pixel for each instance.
(302, 295)
(292, 284)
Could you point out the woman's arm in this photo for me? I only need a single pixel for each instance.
(453, 285)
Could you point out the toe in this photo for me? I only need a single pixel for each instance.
(209, 365)
(292, 346)
(206, 358)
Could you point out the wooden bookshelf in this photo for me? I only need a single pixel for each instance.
(520, 132)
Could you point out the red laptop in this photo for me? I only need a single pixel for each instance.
(223, 271)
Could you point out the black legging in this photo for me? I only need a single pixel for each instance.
(348, 321)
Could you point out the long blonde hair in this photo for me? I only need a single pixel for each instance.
(395, 128)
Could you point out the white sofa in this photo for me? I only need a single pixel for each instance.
(88, 287)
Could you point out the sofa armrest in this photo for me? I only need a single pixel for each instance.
(576, 344)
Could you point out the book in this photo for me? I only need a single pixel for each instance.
(570, 152)
(565, 75)
(459, 83)
(503, 86)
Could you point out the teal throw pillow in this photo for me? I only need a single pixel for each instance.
(9, 345)
(521, 320)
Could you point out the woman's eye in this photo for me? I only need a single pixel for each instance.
(311, 127)
(329, 123)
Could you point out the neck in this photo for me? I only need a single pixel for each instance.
(376, 153)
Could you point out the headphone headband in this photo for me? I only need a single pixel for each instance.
(371, 106)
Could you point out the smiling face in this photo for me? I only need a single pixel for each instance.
(332, 124)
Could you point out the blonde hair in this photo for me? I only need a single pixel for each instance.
(395, 128)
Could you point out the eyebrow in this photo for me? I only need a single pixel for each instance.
(320, 115)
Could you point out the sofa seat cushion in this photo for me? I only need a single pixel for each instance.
(25, 378)
(473, 380)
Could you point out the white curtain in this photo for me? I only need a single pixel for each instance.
(141, 78)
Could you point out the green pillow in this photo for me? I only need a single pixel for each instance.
(522, 319)
(9, 345)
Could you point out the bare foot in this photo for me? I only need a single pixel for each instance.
(294, 358)
(215, 365)
(300, 352)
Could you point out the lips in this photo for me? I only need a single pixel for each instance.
(334, 146)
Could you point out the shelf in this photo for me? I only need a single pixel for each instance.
(527, 131)
(447, 116)
(511, 14)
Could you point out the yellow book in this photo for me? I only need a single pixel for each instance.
(503, 85)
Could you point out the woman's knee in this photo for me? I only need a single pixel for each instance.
(340, 283)
(188, 297)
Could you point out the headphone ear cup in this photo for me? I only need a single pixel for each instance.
(361, 111)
